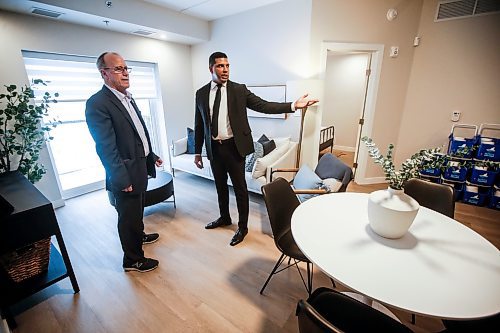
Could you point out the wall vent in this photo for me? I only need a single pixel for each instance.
(455, 9)
(45, 12)
(143, 32)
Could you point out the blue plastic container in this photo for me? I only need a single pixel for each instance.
(431, 172)
(476, 198)
(458, 188)
(483, 177)
(488, 150)
(495, 198)
(457, 174)
(457, 144)
(432, 179)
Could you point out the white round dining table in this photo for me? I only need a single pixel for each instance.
(439, 268)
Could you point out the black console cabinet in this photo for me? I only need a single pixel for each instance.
(33, 219)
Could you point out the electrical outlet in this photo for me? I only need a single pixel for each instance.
(455, 115)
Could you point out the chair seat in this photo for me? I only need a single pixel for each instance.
(288, 246)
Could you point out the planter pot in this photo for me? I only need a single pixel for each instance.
(391, 212)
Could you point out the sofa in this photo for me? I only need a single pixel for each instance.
(283, 156)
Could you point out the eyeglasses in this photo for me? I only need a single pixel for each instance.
(119, 69)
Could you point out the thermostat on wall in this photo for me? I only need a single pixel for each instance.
(394, 51)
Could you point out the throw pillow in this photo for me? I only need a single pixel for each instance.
(269, 145)
(261, 164)
(331, 185)
(251, 158)
(281, 141)
(190, 141)
(306, 179)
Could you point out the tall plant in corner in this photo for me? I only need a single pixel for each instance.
(22, 132)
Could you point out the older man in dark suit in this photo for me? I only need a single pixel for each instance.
(124, 147)
(221, 122)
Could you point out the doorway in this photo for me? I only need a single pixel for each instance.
(351, 73)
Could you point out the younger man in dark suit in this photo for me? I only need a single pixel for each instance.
(221, 122)
(124, 147)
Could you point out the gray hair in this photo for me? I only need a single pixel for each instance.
(100, 63)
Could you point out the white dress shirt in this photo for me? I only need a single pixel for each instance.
(126, 100)
(224, 125)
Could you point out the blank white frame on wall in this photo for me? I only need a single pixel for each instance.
(271, 93)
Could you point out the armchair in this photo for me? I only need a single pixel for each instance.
(330, 175)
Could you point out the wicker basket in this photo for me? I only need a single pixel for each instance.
(27, 261)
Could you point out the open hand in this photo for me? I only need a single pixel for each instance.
(303, 102)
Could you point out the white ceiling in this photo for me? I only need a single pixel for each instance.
(211, 9)
(193, 12)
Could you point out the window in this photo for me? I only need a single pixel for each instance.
(76, 78)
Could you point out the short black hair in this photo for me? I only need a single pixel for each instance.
(215, 55)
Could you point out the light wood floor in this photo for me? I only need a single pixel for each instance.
(202, 284)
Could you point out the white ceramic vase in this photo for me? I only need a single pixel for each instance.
(391, 212)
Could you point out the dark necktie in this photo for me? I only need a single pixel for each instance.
(215, 112)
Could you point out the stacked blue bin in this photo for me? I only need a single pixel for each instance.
(483, 182)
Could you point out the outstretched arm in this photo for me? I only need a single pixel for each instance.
(303, 102)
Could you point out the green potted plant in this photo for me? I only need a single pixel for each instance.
(391, 212)
(22, 131)
(422, 160)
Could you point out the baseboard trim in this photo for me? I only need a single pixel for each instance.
(372, 180)
(344, 148)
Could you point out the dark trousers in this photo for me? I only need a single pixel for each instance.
(227, 161)
(130, 208)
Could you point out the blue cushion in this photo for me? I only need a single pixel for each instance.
(190, 141)
(306, 179)
(251, 158)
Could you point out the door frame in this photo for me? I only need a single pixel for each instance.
(377, 52)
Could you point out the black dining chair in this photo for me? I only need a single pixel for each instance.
(484, 325)
(327, 310)
(434, 196)
(281, 202)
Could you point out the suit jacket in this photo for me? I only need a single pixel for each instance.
(239, 98)
(118, 143)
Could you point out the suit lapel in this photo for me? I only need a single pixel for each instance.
(119, 105)
(206, 104)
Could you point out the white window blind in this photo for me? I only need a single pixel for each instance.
(76, 78)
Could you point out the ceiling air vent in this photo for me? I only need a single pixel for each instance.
(143, 32)
(448, 10)
(45, 12)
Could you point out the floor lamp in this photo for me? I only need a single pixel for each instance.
(310, 118)
(299, 146)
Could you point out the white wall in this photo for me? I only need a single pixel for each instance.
(344, 96)
(20, 32)
(456, 67)
(365, 22)
(265, 46)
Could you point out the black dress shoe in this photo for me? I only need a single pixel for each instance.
(238, 236)
(218, 223)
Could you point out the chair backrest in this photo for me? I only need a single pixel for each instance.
(281, 202)
(327, 310)
(434, 196)
(329, 166)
